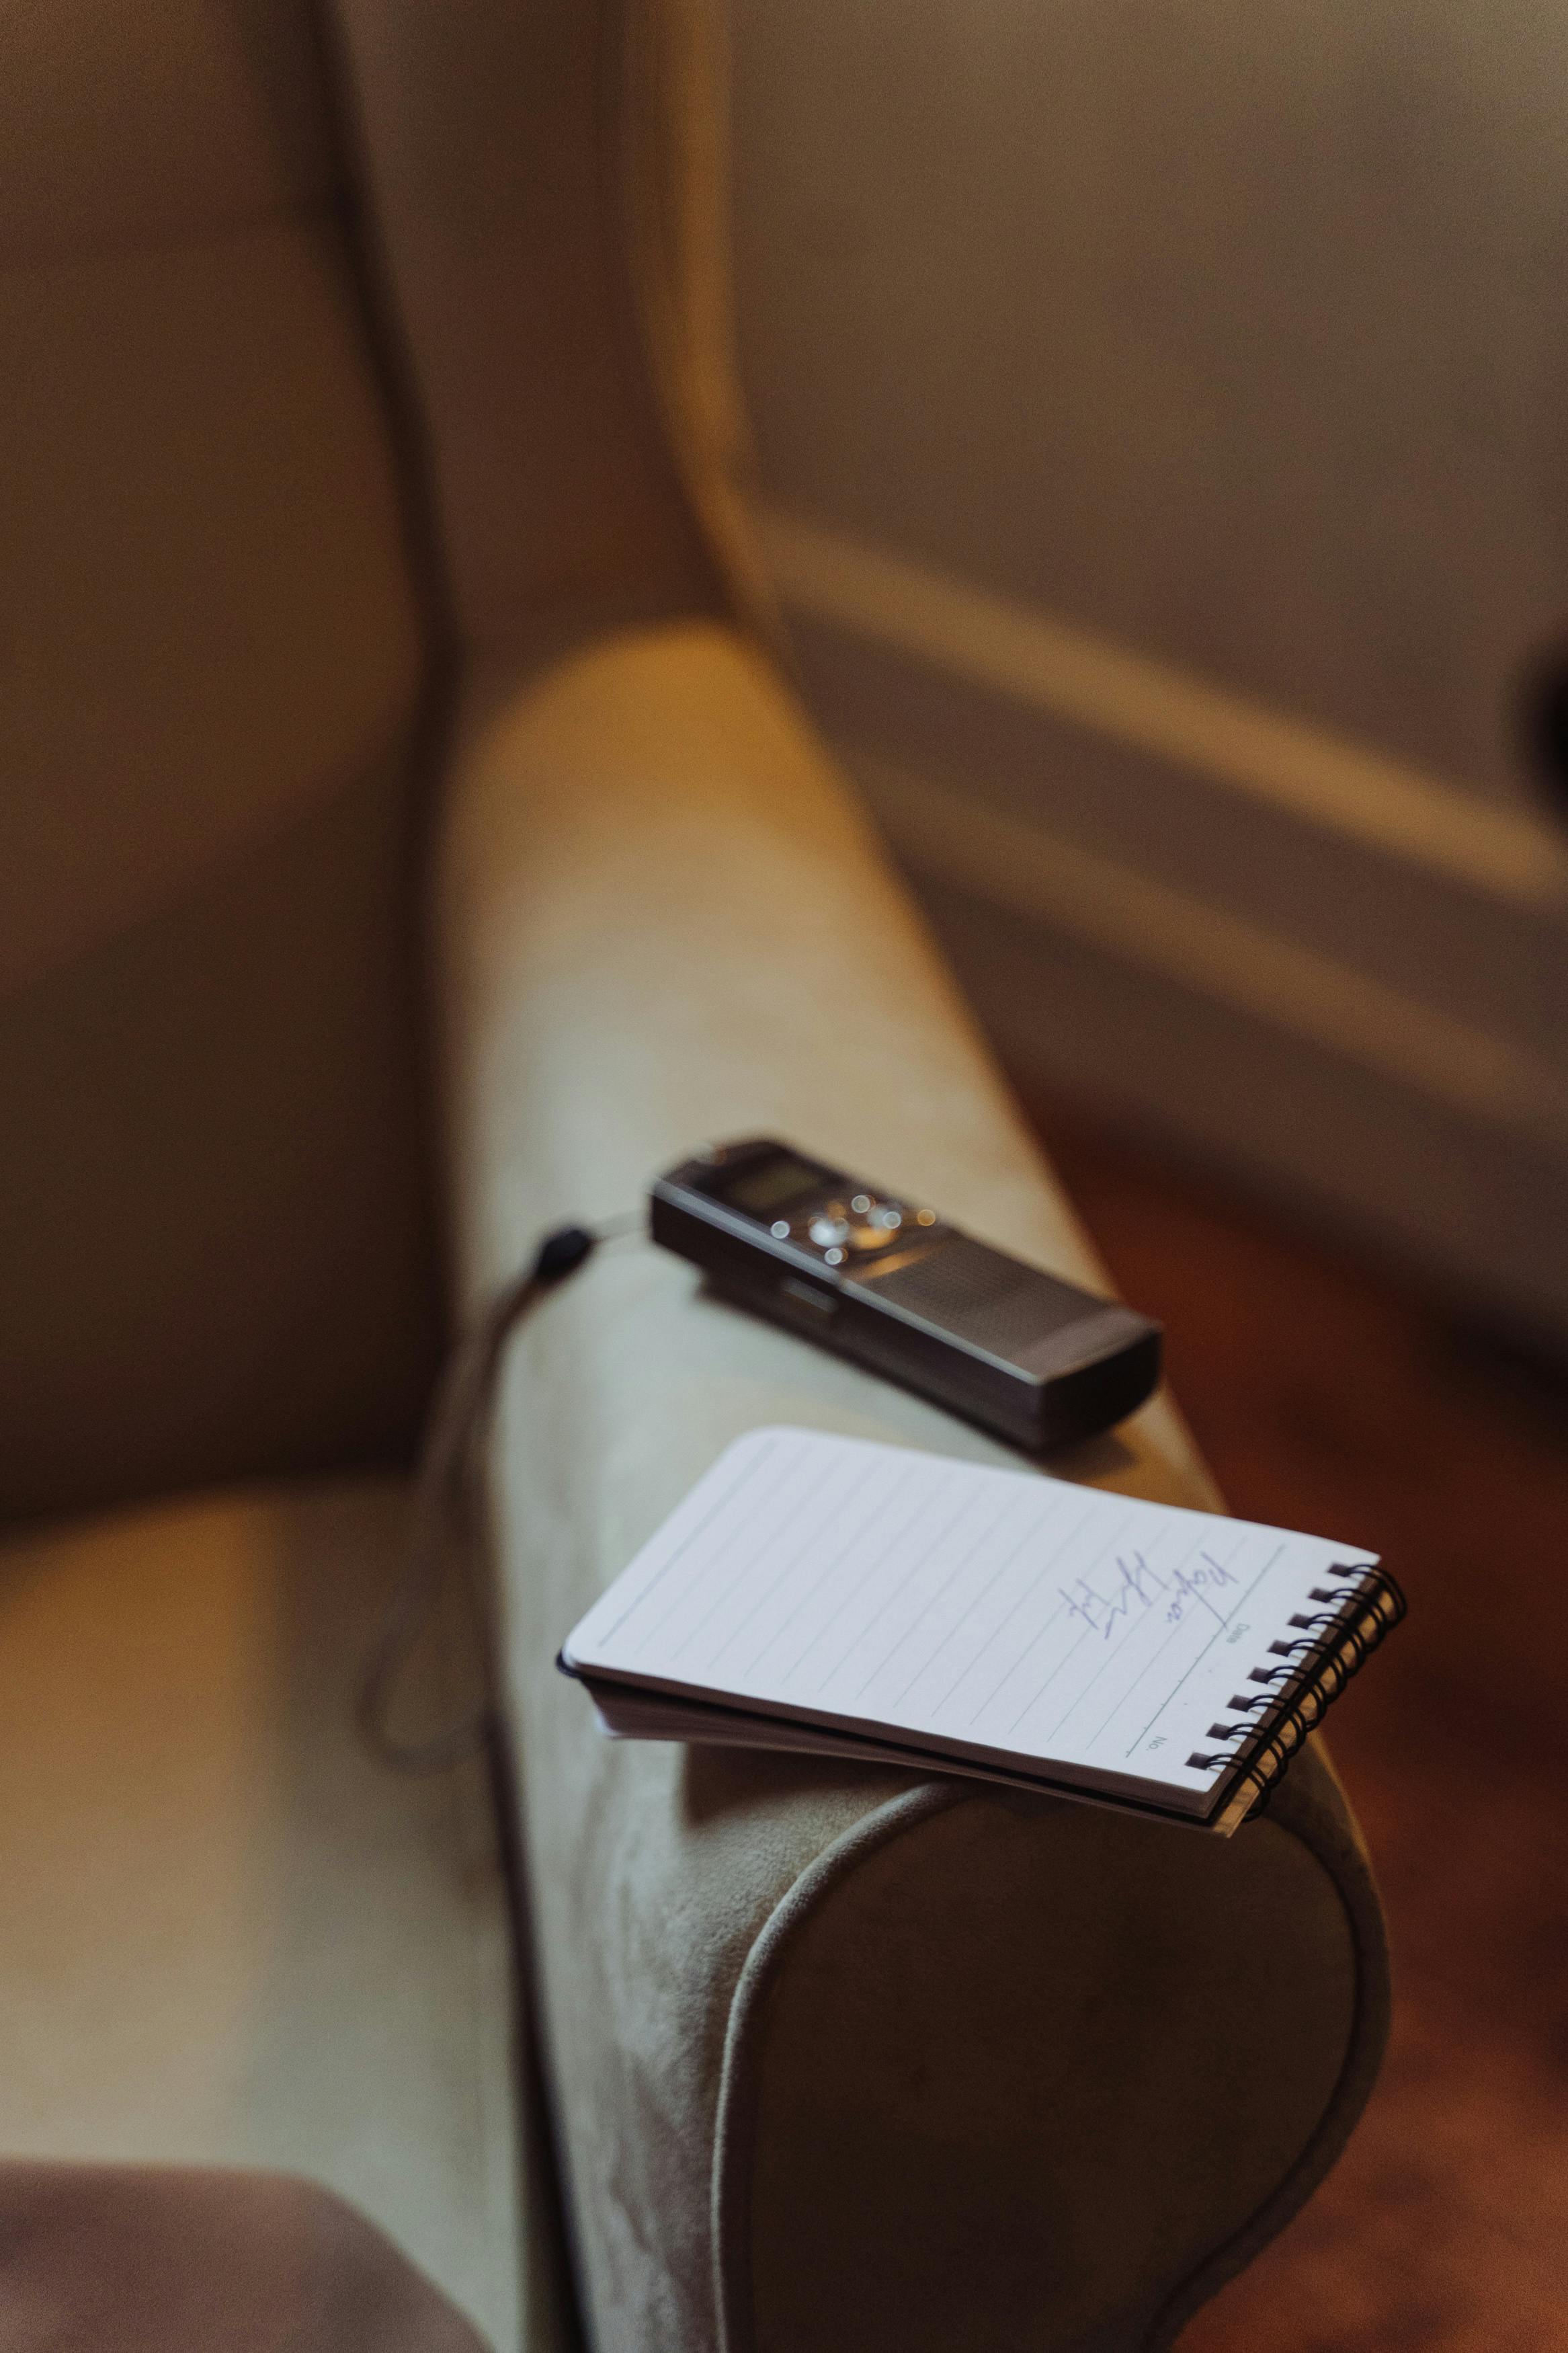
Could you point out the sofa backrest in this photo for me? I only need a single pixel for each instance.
(215, 1250)
(330, 324)
(514, 156)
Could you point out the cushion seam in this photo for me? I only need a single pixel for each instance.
(739, 2084)
(1365, 2047)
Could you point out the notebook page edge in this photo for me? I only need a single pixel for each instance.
(583, 1655)
(1054, 1775)
(683, 1723)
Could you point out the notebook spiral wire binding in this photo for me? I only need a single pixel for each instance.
(1332, 1646)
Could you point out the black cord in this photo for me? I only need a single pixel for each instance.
(446, 1502)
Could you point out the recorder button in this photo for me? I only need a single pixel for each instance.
(882, 1224)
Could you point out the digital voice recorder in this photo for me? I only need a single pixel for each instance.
(905, 1293)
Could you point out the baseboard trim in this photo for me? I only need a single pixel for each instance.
(1037, 659)
(1021, 866)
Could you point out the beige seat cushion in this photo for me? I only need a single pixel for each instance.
(228, 1938)
(844, 2059)
(178, 2259)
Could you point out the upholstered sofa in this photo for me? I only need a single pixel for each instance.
(409, 838)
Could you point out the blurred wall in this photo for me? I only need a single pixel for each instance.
(1156, 409)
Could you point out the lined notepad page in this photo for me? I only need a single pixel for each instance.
(996, 1614)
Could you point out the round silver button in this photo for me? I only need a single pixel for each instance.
(827, 1232)
(779, 1228)
(877, 1228)
(834, 1257)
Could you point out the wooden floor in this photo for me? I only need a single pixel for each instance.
(1329, 1396)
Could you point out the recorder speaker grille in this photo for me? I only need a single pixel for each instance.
(984, 1297)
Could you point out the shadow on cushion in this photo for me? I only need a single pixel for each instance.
(134, 2259)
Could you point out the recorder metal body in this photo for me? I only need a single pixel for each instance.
(905, 1293)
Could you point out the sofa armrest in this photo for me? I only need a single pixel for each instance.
(841, 2056)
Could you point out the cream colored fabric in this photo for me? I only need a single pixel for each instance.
(677, 156)
(152, 2258)
(215, 1251)
(214, 1247)
(211, 626)
(227, 1937)
(494, 157)
(661, 922)
(660, 919)
(130, 122)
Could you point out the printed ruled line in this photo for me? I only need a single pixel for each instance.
(834, 1560)
(687, 1541)
(721, 1535)
(981, 1537)
(1177, 1571)
(1207, 1647)
(1111, 1541)
(819, 1571)
(1154, 1662)
(1001, 1625)
(1173, 1628)
(895, 1535)
(1035, 1529)
(939, 1539)
(812, 1590)
(803, 1524)
(1115, 1657)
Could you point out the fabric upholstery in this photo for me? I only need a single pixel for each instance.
(136, 2258)
(150, 121)
(841, 2057)
(493, 144)
(228, 1941)
(215, 677)
(228, 1937)
(203, 551)
(215, 1248)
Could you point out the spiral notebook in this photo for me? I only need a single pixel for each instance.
(848, 1600)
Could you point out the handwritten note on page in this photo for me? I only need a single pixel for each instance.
(997, 1615)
